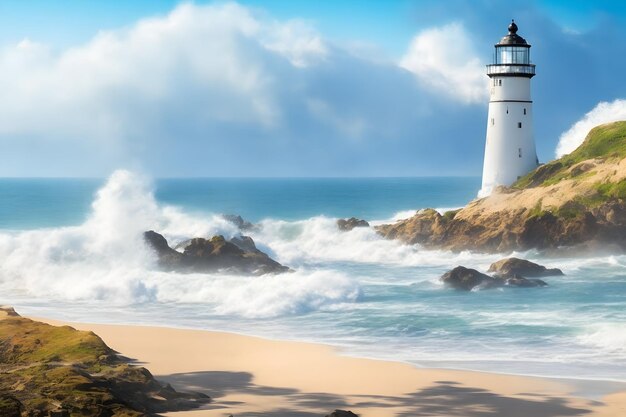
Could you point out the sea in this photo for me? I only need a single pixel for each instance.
(72, 249)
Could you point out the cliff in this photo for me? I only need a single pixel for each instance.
(575, 201)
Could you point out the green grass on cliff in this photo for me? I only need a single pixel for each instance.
(45, 369)
(605, 142)
(612, 190)
(27, 341)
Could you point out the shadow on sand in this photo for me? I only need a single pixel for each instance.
(445, 398)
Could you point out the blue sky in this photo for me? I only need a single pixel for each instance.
(285, 88)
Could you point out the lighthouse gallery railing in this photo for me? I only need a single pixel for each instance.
(528, 69)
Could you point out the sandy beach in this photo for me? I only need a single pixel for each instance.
(250, 376)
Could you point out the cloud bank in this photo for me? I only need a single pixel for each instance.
(122, 78)
(217, 83)
(604, 112)
(225, 90)
(443, 58)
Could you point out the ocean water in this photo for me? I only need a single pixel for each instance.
(72, 249)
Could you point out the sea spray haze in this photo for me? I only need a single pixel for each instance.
(374, 297)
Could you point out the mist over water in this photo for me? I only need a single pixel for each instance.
(353, 289)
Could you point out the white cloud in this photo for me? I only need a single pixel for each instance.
(297, 41)
(604, 112)
(216, 62)
(443, 58)
(216, 89)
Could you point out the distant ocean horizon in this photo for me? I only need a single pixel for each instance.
(72, 249)
(50, 202)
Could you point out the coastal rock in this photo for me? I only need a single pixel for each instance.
(520, 281)
(511, 267)
(576, 203)
(168, 258)
(346, 225)
(10, 406)
(342, 413)
(416, 229)
(238, 221)
(239, 256)
(62, 372)
(245, 243)
(467, 279)
(180, 246)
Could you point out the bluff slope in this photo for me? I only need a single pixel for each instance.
(575, 201)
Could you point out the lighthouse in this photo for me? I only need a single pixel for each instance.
(510, 146)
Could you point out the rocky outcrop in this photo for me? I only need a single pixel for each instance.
(167, 257)
(62, 372)
(239, 255)
(238, 221)
(346, 225)
(510, 267)
(577, 202)
(10, 406)
(467, 279)
(513, 229)
(245, 243)
(342, 413)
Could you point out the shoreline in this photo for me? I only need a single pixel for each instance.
(344, 351)
(249, 374)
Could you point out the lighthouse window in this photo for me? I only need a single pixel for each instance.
(524, 111)
(512, 55)
(519, 152)
(519, 124)
(500, 83)
(493, 121)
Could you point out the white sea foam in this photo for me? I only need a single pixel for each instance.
(606, 337)
(106, 259)
(370, 294)
(400, 215)
(318, 239)
(259, 297)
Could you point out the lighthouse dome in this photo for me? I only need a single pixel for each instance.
(512, 38)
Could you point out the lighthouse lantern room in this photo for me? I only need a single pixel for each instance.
(510, 146)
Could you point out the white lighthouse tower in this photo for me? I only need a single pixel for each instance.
(510, 148)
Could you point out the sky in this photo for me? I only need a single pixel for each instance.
(290, 88)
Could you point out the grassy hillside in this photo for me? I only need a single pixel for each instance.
(577, 201)
(603, 143)
(49, 370)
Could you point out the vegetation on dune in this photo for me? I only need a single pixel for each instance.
(49, 370)
(603, 142)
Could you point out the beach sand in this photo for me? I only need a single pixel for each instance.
(250, 376)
